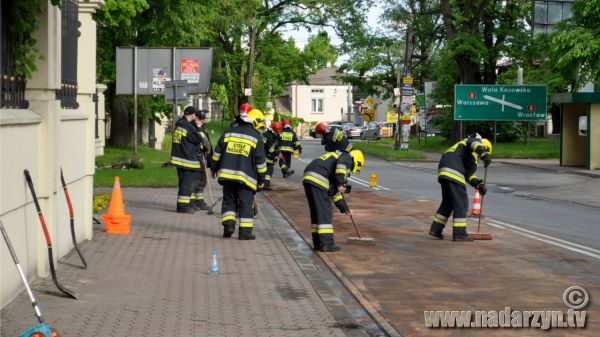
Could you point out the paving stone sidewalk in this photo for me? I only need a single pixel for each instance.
(156, 281)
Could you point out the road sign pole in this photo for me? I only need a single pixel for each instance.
(135, 105)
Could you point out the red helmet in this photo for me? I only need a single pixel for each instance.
(276, 127)
(321, 128)
(245, 108)
(286, 122)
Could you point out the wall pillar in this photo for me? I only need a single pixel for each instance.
(41, 94)
(86, 79)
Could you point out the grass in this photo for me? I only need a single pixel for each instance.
(538, 148)
(385, 150)
(152, 175)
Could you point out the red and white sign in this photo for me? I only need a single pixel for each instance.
(190, 70)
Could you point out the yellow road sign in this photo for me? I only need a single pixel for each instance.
(407, 80)
(369, 101)
(392, 116)
(369, 115)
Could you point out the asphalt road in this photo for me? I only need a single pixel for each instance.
(558, 222)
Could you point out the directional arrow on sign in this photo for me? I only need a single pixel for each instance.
(502, 102)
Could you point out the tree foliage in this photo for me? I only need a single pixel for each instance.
(577, 44)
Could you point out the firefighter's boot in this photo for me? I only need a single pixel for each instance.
(316, 241)
(185, 209)
(436, 231)
(245, 233)
(326, 243)
(201, 205)
(459, 234)
(267, 185)
(228, 229)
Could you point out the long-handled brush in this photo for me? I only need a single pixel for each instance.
(41, 329)
(62, 179)
(481, 236)
(360, 238)
(60, 287)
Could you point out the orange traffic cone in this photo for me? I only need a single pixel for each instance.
(116, 221)
(476, 203)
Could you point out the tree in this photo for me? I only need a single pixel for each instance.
(319, 51)
(577, 44)
(478, 33)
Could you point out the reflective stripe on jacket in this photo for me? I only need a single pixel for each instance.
(459, 163)
(184, 152)
(328, 171)
(288, 141)
(335, 140)
(240, 156)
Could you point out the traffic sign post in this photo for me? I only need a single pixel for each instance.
(500, 102)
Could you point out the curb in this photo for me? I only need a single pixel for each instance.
(371, 310)
(561, 171)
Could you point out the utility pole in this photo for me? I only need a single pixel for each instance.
(407, 72)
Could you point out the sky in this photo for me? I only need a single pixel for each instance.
(301, 35)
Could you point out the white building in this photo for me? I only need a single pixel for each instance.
(324, 99)
(47, 123)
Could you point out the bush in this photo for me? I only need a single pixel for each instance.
(126, 162)
(100, 202)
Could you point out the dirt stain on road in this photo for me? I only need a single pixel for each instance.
(405, 272)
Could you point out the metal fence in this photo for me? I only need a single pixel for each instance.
(67, 94)
(12, 88)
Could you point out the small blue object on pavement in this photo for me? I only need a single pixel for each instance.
(214, 266)
(39, 330)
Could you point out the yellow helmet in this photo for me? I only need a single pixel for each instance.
(359, 160)
(257, 119)
(487, 145)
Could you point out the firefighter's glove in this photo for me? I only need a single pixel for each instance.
(482, 189)
(299, 149)
(260, 187)
(341, 188)
(487, 159)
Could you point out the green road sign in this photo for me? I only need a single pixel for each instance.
(420, 100)
(500, 102)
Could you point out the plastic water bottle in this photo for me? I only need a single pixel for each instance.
(214, 266)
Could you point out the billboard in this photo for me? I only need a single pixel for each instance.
(155, 66)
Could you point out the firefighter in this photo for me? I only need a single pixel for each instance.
(457, 168)
(239, 163)
(204, 154)
(288, 144)
(271, 139)
(324, 179)
(184, 156)
(333, 137)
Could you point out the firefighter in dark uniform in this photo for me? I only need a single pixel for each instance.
(287, 145)
(457, 168)
(239, 163)
(204, 154)
(325, 181)
(271, 139)
(184, 156)
(333, 138)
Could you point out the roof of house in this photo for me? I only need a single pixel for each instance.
(324, 76)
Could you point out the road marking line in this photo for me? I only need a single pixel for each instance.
(548, 236)
(548, 239)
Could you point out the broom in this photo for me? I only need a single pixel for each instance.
(481, 236)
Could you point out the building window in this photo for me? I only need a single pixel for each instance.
(316, 106)
(67, 94)
(316, 91)
(12, 87)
